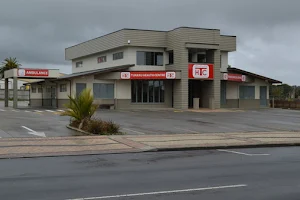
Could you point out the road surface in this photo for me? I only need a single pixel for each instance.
(265, 173)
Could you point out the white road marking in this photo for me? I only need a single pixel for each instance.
(186, 130)
(50, 111)
(60, 110)
(138, 132)
(32, 132)
(38, 111)
(2, 110)
(27, 111)
(162, 192)
(15, 110)
(241, 153)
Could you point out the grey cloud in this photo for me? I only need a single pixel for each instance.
(37, 31)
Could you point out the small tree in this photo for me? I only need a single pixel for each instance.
(7, 64)
(81, 107)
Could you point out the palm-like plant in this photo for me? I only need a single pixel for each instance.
(81, 107)
(7, 64)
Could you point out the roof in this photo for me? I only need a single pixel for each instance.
(103, 70)
(237, 70)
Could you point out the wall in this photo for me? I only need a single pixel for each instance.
(224, 61)
(91, 62)
(22, 94)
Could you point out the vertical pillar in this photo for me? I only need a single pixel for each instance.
(6, 96)
(15, 85)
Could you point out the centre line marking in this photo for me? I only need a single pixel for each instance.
(134, 131)
(241, 153)
(50, 111)
(162, 192)
(38, 111)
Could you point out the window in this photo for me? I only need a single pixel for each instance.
(147, 91)
(150, 58)
(40, 89)
(79, 64)
(117, 56)
(63, 87)
(103, 90)
(48, 89)
(171, 57)
(247, 92)
(33, 89)
(101, 59)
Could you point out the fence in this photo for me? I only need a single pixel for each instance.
(292, 104)
(23, 95)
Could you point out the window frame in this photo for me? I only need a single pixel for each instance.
(118, 55)
(79, 64)
(61, 88)
(138, 93)
(39, 90)
(247, 94)
(105, 59)
(171, 57)
(33, 89)
(153, 55)
(98, 96)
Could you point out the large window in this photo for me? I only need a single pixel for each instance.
(40, 89)
(33, 89)
(103, 90)
(117, 56)
(247, 92)
(147, 91)
(149, 58)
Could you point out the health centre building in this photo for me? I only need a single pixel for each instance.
(182, 68)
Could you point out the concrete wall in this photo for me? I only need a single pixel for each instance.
(224, 61)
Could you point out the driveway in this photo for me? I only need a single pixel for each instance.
(170, 121)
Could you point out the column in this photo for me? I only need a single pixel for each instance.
(6, 97)
(15, 85)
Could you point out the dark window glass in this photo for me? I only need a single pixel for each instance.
(247, 92)
(117, 56)
(40, 90)
(151, 91)
(63, 87)
(149, 58)
(190, 57)
(139, 91)
(33, 89)
(145, 91)
(133, 91)
(156, 91)
(162, 91)
(103, 90)
(171, 57)
(79, 64)
(201, 58)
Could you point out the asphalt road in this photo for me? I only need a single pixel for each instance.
(170, 122)
(266, 173)
(32, 123)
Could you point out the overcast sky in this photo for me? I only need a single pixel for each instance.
(268, 31)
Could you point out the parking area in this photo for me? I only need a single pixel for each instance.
(30, 122)
(171, 121)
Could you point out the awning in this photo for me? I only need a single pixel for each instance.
(97, 71)
(237, 70)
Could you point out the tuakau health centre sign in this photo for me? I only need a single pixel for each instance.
(33, 72)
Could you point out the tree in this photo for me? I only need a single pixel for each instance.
(276, 91)
(7, 64)
(81, 107)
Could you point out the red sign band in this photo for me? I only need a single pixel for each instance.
(148, 75)
(33, 72)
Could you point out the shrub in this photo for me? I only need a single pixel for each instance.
(100, 127)
(81, 107)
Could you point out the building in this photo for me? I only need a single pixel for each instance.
(181, 68)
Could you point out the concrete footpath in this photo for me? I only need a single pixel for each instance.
(84, 145)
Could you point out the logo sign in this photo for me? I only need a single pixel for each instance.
(33, 72)
(201, 71)
(148, 75)
(234, 77)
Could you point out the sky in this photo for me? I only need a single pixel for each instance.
(37, 32)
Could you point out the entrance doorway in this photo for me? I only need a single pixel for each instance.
(202, 90)
(53, 97)
(263, 96)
